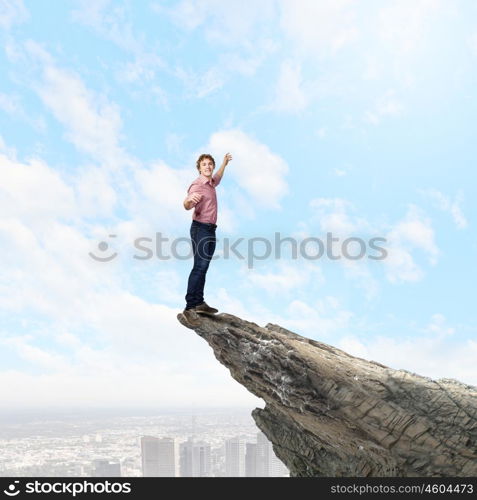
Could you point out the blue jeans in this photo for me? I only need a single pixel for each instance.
(203, 245)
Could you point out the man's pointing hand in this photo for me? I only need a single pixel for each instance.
(227, 158)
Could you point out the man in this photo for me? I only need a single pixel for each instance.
(201, 195)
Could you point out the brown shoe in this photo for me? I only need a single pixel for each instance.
(190, 317)
(205, 309)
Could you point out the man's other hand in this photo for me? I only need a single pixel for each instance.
(192, 200)
(195, 198)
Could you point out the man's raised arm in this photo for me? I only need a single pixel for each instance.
(220, 172)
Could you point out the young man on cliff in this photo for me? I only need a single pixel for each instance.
(202, 197)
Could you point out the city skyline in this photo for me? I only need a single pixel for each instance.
(95, 446)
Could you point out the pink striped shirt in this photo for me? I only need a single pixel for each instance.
(206, 209)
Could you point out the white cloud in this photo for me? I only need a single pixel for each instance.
(404, 25)
(291, 275)
(134, 71)
(33, 191)
(446, 204)
(108, 20)
(372, 70)
(319, 29)
(112, 22)
(12, 12)
(9, 103)
(201, 84)
(247, 63)
(231, 304)
(165, 185)
(400, 266)
(187, 14)
(337, 217)
(95, 194)
(93, 340)
(227, 23)
(431, 353)
(414, 231)
(236, 31)
(156, 197)
(358, 270)
(386, 105)
(472, 42)
(438, 327)
(321, 132)
(35, 355)
(333, 215)
(320, 319)
(257, 170)
(405, 33)
(12, 104)
(92, 123)
(141, 341)
(45, 251)
(9, 152)
(175, 143)
(289, 94)
(99, 378)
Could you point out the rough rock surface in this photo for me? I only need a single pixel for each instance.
(328, 413)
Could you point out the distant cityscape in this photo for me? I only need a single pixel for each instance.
(208, 444)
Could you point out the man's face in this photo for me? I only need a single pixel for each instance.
(206, 167)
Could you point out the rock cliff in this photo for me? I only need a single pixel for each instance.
(328, 413)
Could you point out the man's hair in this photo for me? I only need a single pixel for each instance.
(204, 156)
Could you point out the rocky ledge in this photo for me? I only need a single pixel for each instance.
(328, 413)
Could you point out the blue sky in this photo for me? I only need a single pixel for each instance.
(351, 118)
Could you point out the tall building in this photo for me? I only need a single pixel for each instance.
(217, 461)
(276, 468)
(263, 453)
(195, 459)
(160, 457)
(235, 457)
(105, 468)
(202, 458)
(250, 460)
(267, 463)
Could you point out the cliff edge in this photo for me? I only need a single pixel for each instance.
(328, 413)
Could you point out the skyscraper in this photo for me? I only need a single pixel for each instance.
(235, 457)
(202, 457)
(105, 468)
(268, 465)
(250, 459)
(276, 468)
(160, 457)
(195, 459)
(263, 453)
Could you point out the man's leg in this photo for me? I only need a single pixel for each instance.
(203, 245)
(209, 244)
(192, 282)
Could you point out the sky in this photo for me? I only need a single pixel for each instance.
(355, 119)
